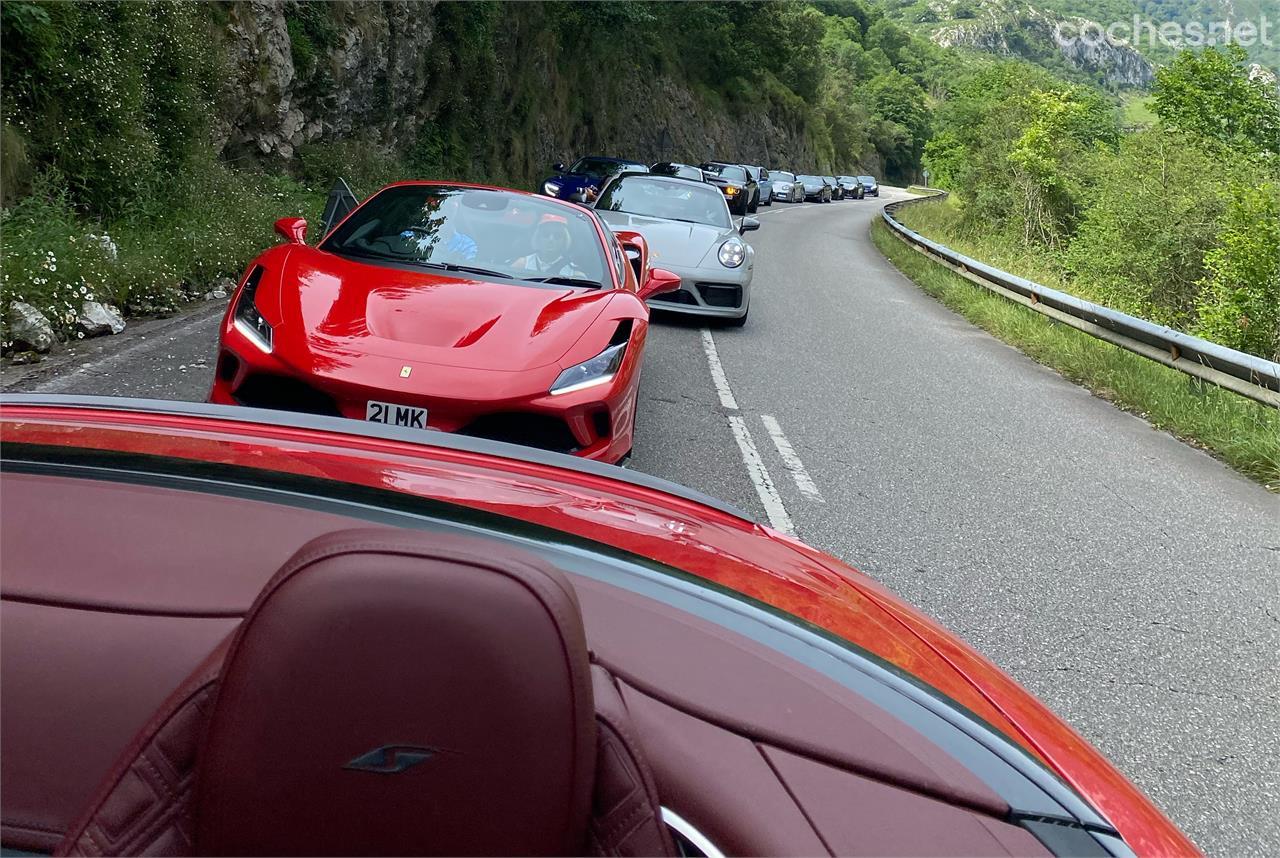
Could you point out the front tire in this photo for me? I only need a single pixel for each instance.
(754, 204)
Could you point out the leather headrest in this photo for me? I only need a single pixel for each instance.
(402, 693)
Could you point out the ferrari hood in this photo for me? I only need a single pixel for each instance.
(333, 308)
(671, 242)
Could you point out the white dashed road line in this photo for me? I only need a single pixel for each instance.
(775, 509)
(717, 372)
(779, 519)
(791, 460)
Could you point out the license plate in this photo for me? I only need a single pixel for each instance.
(396, 415)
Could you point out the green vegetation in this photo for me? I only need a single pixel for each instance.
(119, 119)
(1174, 222)
(1018, 27)
(1243, 433)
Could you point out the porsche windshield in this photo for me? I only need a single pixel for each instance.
(603, 168)
(489, 234)
(783, 176)
(670, 199)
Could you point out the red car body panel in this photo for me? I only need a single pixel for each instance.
(461, 347)
(736, 553)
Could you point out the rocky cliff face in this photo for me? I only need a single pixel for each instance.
(389, 74)
(1019, 29)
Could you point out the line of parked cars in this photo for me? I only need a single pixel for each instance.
(746, 187)
(684, 212)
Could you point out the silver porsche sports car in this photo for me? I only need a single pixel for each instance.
(691, 233)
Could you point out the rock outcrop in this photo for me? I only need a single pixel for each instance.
(377, 78)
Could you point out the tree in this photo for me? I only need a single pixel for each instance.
(1210, 94)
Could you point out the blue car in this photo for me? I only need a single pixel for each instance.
(591, 172)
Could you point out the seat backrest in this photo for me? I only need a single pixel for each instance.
(389, 692)
(395, 692)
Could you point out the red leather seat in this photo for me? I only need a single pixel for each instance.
(389, 692)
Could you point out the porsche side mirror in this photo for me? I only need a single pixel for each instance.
(748, 224)
(659, 282)
(558, 167)
(292, 229)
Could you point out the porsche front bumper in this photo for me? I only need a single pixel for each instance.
(723, 293)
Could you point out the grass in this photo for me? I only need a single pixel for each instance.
(1242, 433)
(1136, 111)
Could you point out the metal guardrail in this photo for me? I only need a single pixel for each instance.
(1245, 374)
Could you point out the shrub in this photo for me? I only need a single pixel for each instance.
(1240, 305)
(1155, 213)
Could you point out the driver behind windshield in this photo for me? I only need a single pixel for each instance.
(490, 232)
(550, 257)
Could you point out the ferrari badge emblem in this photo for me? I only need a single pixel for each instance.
(405, 370)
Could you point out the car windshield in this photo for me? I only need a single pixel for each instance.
(496, 234)
(727, 171)
(783, 176)
(868, 179)
(662, 198)
(810, 180)
(684, 171)
(603, 168)
(753, 172)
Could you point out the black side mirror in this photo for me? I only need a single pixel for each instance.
(748, 224)
(558, 167)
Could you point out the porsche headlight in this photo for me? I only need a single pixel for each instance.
(247, 319)
(551, 188)
(598, 370)
(732, 253)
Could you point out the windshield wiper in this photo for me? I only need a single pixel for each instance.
(469, 269)
(563, 281)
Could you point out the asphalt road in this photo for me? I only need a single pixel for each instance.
(1130, 581)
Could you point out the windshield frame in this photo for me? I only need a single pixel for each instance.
(618, 166)
(717, 168)
(672, 182)
(608, 280)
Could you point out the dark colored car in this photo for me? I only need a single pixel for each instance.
(871, 185)
(837, 192)
(761, 176)
(852, 187)
(678, 171)
(587, 176)
(739, 189)
(816, 188)
(230, 631)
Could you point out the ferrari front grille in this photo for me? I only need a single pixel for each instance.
(532, 430)
(281, 393)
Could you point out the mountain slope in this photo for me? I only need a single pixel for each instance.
(1048, 32)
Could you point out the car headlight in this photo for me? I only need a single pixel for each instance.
(730, 191)
(732, 252)
(247, 319)
(599, 370)
(551, 188)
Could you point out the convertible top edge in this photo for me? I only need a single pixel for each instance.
(380, 431)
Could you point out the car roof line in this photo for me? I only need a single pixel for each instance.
(350, 426)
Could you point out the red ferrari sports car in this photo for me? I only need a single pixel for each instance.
(484, 311)
(234, 631)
